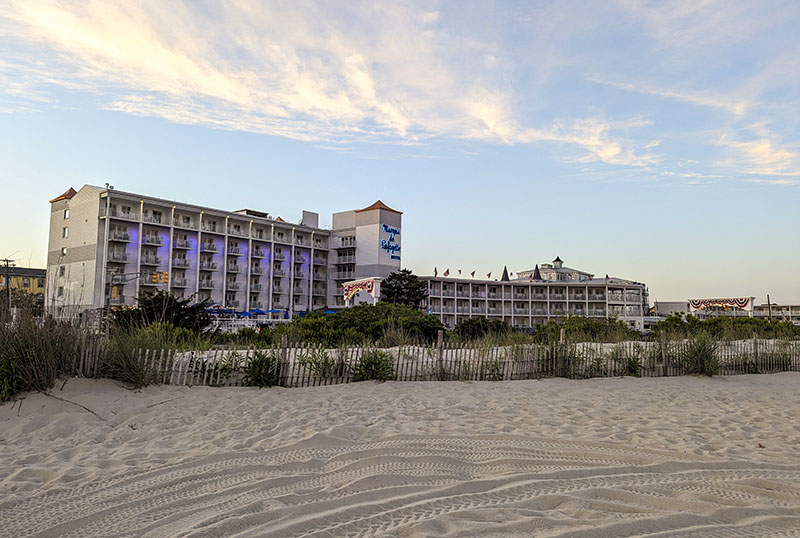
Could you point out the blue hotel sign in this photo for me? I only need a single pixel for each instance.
(390, 245)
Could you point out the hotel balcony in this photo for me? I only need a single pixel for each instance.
(597, 312)
(257, 304)
(278, 272)
(180, 262)
(539, 312)
(116, 301)
(521, 311)
(277, 289)
(209, 247)
(256, 287)
(320, 291)
(238, 233)
(539, 297)
(233, 268)
(577, 297)
(597, 297)
(279, 305)
(299, 274)
(494, 311)
(319, 260)
(118, 278)
(280, 238)
(234, 251)
(206, 285)
(232, 303)
(152, 240)
(127, 215)
(207, 227)
(258, 253)
(118, 257)
(258, 234)
(478, 310)
(298, 291)
(448, 293)
(181, 243)
(615, 297)
(280, 256)
(152, 219)
(344, 275)
(180, 224)
(558, 297)
(345, 259)
(257, 270)
(493, 295)
(320, 275)
(232, 286)
(558, 311)
(147, 281)
(302, 242)
(464, 294)
(119, 236)
(208, 266)
(463, 310)
(179, 283)
(151, 260)
(520, 297)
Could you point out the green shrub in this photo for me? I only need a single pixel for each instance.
(373, 365)
(33, 354)
(474, 328)
(263, 370)
(492, 370)
(700, 356)
(632, 366)
(162, 307)
(319, 362)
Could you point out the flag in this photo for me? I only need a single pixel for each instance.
(446, 273)
(459, 272)
(530, 277)
(472, 274)
(606, 277)
(435, 272)
(489, 275)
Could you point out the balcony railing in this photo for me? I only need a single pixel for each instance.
(209, 247)
(239, 232)
(118, 300)
(256, 287)
(232, 303)
(207, 227)
(119, 236)
(234, 268)
(278, 272)
(119, 257)
(127, 215)
(345, 259)
(152, 240)
(320, 276)
(577, 297)
(319, 260)
(208, 266)
(448, 293)
(301, 241)
(280, 256)
(153, 219)
(178, 282)
(180, 262)
(258, 253)
(558, 297)
(277, 289)
(463, 294)
(257, 270)
(177, 222)
(232, 285)
(147, 281)
(151, 260)
(256, 304)
(345, 274)
(234, 250)
(299, 274)
(320, 291)
(463, 310)
(597, 297)
(206, 284)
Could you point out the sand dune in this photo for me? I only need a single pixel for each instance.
(600, 457)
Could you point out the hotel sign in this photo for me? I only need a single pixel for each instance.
(390, 243)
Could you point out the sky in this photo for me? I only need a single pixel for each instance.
(656, 141)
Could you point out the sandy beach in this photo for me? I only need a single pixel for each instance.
(681, 456)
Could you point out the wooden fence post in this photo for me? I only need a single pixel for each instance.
(664, 356)
(440, 353)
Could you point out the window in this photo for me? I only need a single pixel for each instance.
(66, 214)
(61, 291)
(61, 271)
(63, 251)
(64, 232)
(40, 283)
(26, 282)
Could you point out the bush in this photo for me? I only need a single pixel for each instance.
(374, 365)
(319, 362)
(263, 370)
(33, 354)
(474, 328)
(584, 329)
(700, 356)
(162, 307)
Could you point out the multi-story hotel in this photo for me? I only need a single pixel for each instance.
(107, 247)
(538, 295)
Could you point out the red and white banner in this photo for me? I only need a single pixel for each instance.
(736, 302)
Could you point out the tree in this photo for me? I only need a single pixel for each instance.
(404, 287)
(163, 307)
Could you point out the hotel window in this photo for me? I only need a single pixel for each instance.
(66, 214)
(61, 271)
(26, 282)
(63, 251)
(61, 291)
(65, 232)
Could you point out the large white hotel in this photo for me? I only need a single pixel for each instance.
(106, 247)
(538, 295)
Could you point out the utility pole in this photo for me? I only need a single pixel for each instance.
(8, 265)
(769, 308)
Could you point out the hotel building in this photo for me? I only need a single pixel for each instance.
(536, 296)
(106, 247)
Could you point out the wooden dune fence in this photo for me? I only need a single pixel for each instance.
(309, 365)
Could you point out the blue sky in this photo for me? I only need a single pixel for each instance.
(656, 141)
